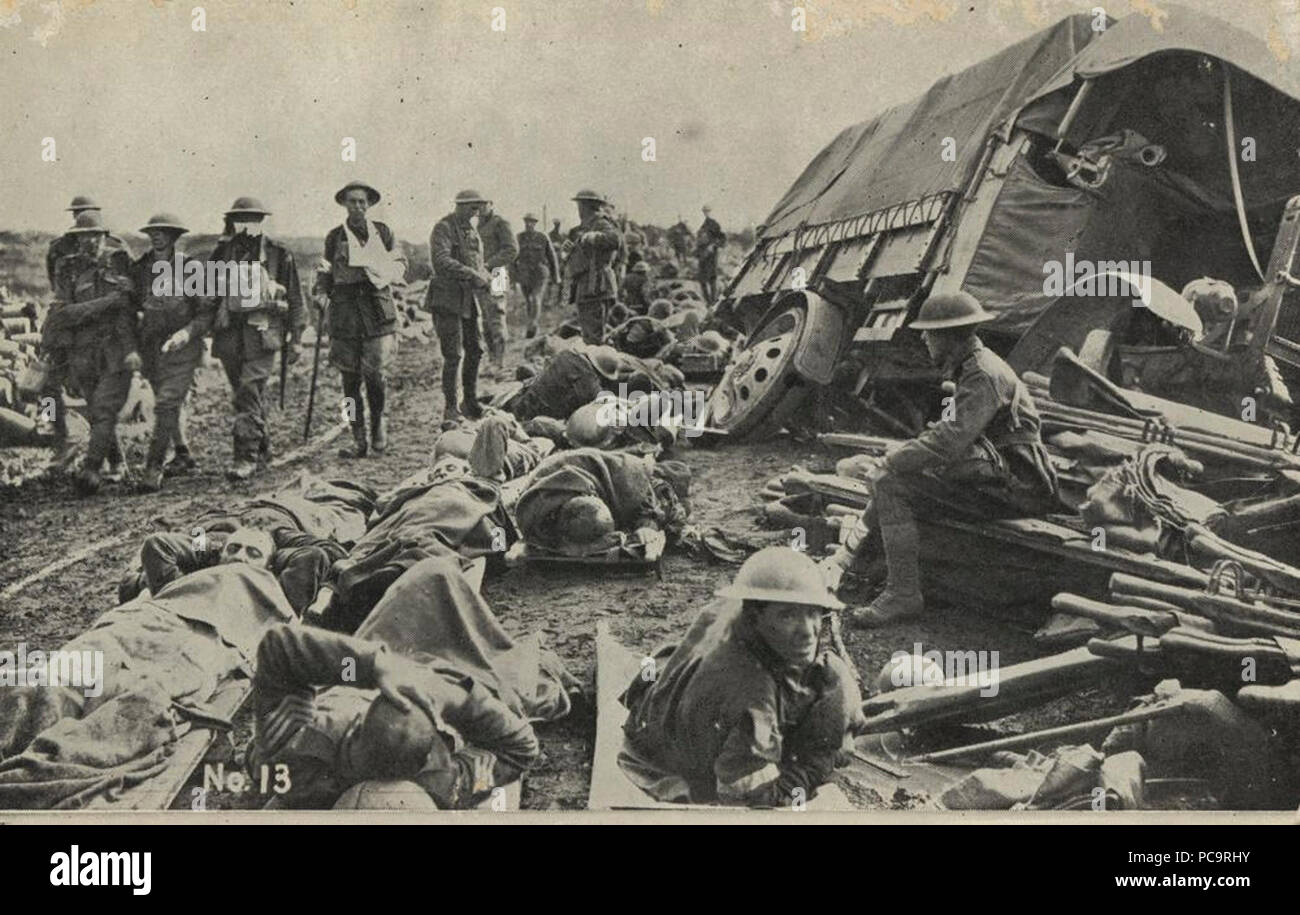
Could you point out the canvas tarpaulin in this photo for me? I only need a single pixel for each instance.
(897, 157)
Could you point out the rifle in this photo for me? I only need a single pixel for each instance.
(284, 361)
(315, 367)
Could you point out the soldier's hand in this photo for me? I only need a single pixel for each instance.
(293, 352)
(403, 683)
(132, 362)
(176, 340)
(484, 278)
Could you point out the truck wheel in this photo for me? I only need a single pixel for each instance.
(761, 389)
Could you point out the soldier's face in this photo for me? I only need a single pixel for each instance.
(249, 226)
(249, 546)
(938, 344)
(160, 240)
(790, 630)
(357, 203)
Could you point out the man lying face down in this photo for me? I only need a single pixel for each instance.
(747, 710)
(381, 717)
(586, 500)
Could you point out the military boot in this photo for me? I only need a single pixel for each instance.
(181, 464)
(360, 446)
(87, 482)
(378, 433)
(901, 598)
(242, 470)
(151, 479)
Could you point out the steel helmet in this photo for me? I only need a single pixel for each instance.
(711, 341)
(82, 202)
(593, 196)
(530, 217)
(585, 520)
(88, 221)
(605, 360)
(470, 197)
(372, 195)
(781, 574)
(164, 221)
(247, 206)
(660, 308)
(950, 309)
(585, 428)
(385, 795)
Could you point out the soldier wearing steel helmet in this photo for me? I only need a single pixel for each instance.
(66, 243)
(749, 709)
(537, 263)
(248, 335)
(172, 328)
(986, 443)
(459, 284)
(590, 280)
(91, 338)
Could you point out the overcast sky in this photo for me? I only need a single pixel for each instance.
(149, 115)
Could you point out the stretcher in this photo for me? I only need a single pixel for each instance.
(634, 555)
(611, 788)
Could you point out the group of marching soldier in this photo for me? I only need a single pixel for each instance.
(111, 318)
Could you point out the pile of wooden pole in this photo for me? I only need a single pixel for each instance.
(1205, 446)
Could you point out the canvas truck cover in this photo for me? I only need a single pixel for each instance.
(1175, 28)
(896, 157)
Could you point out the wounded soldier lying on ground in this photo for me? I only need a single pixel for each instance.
(497, 448)
(748, 709)
(297, 532)
(587, 501)
(163, 658)
(431, 690)
(447, 511)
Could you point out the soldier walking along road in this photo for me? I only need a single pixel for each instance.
(536, 264)
(708, 242)
(57, 367)
(248, 335)
(91, 330)
(499, 252)
(458, 285)
(589, 275)
(172, 327)
(362, 316)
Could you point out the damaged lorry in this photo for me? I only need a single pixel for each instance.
(1075, 183)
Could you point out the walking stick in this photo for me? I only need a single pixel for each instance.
(315, 367)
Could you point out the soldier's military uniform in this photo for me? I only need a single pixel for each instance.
(728, 721)
(536, 265)
(708, 242)
(90, 336)
(589, 276)
(247, 340)
(985, 456)
(170, 374)
(456, 289)
(363, 325)
(679, 238)
(499, 252)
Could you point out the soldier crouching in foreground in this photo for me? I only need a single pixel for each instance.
(747, 710)
(987, 443)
